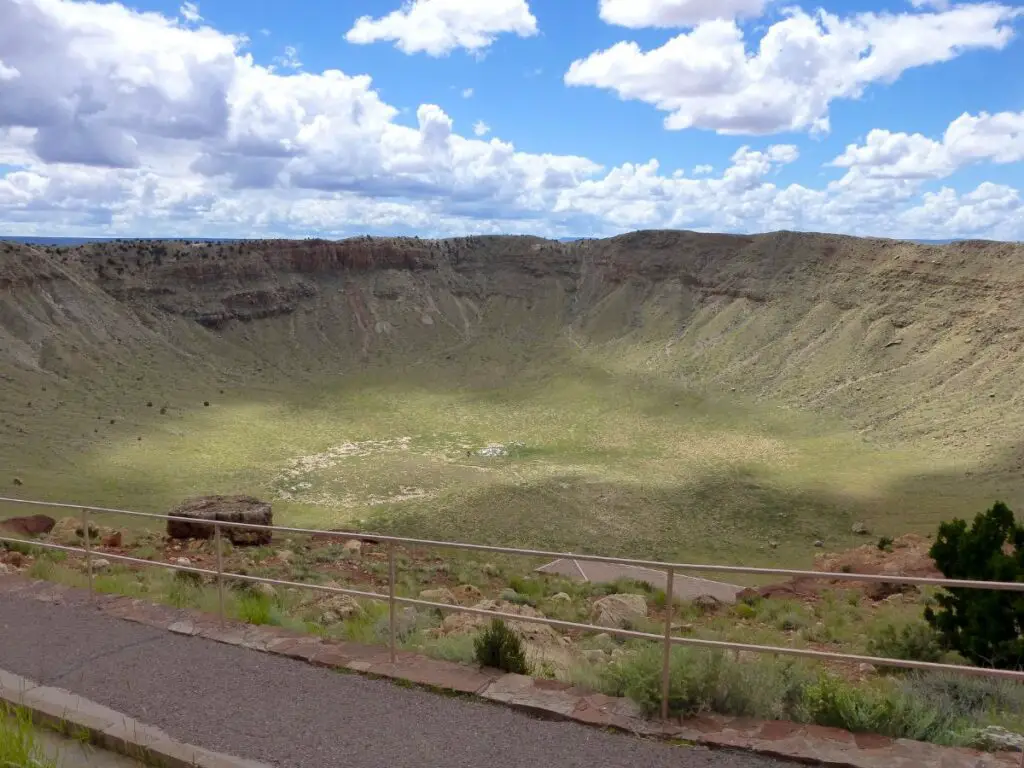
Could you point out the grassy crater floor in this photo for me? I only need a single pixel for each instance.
(591, 460)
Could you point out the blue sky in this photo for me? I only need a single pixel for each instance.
(231, 118)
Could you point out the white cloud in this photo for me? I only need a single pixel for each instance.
(707, 78)
(467, 93)
(8, 73)
(675, 13)
(480, 128)
(997, 138)
(438, 27)
(702, 170)
(289, 59)
(939, 4)
(182, 133)
(190, 12)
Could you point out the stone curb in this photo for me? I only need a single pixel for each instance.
(811, 744)
(71, 714)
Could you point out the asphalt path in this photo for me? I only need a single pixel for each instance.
(289, 713)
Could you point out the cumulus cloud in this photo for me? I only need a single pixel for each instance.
(128, 123)
(480, 128)
(289, 59)
(708, 79)
(438, 27)
(675, 13)
(997, 138)
(190, 12)
(467, 93)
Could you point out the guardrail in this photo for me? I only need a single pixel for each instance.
(667, 639)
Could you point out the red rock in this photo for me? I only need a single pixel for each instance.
(33, 525)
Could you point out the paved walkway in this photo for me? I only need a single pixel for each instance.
(683, 587)
(288, 713)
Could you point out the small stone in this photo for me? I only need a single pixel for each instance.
(339, 608)
(112, 540)
(773, 544)
(15, 559)
(353, 547)
(707, 603)
(491, 569)
(997, 737)
(441, 595)
(619, 610)
(819, 543)
(4, 569)
(682, 628)
(860, 529)
(561, 597)
(866, 669)
(468, 592)
(182, 561)
(100, 564)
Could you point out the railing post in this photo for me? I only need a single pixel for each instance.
(391, 600)
(666, 661)
(88, 549)
(220, 571)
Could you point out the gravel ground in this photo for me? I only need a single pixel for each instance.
(289, 713)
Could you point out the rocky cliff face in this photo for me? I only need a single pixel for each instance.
(882, 332)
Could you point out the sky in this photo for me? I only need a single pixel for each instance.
(559, 118)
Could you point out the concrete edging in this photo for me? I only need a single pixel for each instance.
(72, 714)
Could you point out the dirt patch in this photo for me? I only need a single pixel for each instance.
(908, 557)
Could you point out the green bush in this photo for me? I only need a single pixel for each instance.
(257, 609)
(500, 648)
(915, 641)
(985, 626)
(885, 543)
(966, 696)
(708, 681)
(883, 709)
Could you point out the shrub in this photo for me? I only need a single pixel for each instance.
(257, 609)
(915, 641)
(985, 626)
(500, 647)
(885, 543)
(706, 681)
(883, 709)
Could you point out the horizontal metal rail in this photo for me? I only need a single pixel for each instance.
(393, 599)
(923, 581)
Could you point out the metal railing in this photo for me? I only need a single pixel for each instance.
(667, 639)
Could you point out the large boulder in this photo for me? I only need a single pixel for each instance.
(620, 610)
(33, 525)
(229, 509)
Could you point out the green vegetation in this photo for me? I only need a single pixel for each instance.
(914, 641)
(499, 647)
(986, 626)
(20, 745)
(930, 707)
